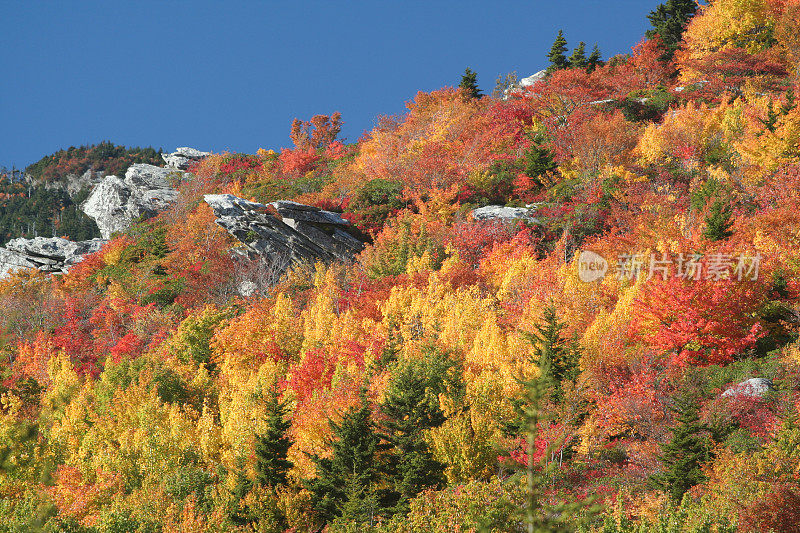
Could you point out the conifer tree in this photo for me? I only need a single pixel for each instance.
(557, 57)
(669, 20)
(594, 60)
(469, 84)
(554, 352)
(411, 406)
(273, 445)
(351, 473)
(537, 514)
(718, 221)
(685, 452)
(578, 57)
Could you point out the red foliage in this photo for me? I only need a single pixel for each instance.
(777, 511)
(728, 69)
(299, 160)
(699, 322)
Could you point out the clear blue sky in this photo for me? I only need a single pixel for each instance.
(233, 75)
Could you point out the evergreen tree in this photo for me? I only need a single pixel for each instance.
(537, 514)
(554, 352)
(718, 221)
(594, 60)
(578, 57)
(351, 473)
(556, 56)
(411, 406)
(669, 20)
(469, 84)
(685, 452)
(273, 445)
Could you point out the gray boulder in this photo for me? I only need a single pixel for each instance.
(285, 233)
(115, 204)
(501, 213)
(753, 388)
(183, 157)
(46, 254)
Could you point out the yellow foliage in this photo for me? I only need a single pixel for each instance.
(725, 24)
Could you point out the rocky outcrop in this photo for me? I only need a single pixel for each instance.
(115, 204)
(751, 388)
(519, 87)
(182, 158)
(285, 232)
(501, 213)
(46, 254)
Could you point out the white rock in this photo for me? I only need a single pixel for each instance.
(753, 388)
(115, 204)
(183, 157)
(284, 233)
(531, 80)
(46, 254)
(503, 213)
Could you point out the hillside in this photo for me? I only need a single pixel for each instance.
(568, 306)
(45, 199)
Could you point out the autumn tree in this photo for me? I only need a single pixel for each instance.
(317, 133)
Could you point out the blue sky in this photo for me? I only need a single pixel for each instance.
(232, 75)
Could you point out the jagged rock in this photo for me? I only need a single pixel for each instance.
(753, 388)
(531, 80)
(46, 254)
(115, 204)
(284, 232)
(505, 214)
(183, 157)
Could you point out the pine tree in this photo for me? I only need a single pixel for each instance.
(469, 84)
(669, 20)
(554, 352)
(718, 221)
(556, 56)
(537, 514)
(578, 57)
(685, 452)
(273, 445)
(538, 160)
(411, 406)
(595, 59)
(352, 470)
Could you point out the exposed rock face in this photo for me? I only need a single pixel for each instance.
(504, 214)
(46, 254)
(183, 157)
(115, 204)
(71, 183)
(285, 232)
(530, 81)
(753, 388)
